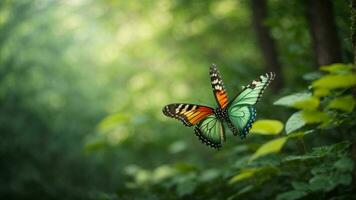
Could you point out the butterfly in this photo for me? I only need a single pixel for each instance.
(237, 113)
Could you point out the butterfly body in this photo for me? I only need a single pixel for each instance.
(220, 114)
(238, 114)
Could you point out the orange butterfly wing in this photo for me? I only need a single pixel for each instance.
(218, 87)
(189, 114)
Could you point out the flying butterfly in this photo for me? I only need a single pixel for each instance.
(238, 113)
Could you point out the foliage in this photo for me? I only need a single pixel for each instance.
(82, 85)
(318, 171)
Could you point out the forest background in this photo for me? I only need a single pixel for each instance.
(83, 83)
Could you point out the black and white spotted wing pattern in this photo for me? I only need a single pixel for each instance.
(241, 111)
(218, 87)
(252, 93)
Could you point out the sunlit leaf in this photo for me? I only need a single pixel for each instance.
(267, 127)
(337, 68)
(311, 117)
(244, 174)
(321, 92)
(294, 122)
(273, 146)
(298, 134)
(142, 176)
(310, 103)
(290, 100)
(335, 81)
(162, 172)
(344, 103)
(112, 120)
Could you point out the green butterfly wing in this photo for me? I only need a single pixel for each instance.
(241, 117)
(210, 131)
(240, 110)
(252, 93)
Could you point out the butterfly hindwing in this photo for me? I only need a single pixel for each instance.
(241, 117)
(210, 131)
(218, 87)
(189, 114)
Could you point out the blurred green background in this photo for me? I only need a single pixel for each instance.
(83, 82)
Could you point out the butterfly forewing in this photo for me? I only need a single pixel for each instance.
(252, 93)
(210, 131)
(189, 114)
(218, 87)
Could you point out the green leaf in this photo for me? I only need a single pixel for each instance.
(267, 127)
(245, 189)
(294, 122)
(310, 103)
(185, 167)
(95, 144)
(337, 68)
(162, 172)
(344, 165)
(335, 81)
(319, 152)
(311, 117)
(290, 100)
(112, 120)
(344, 103)
(319, 182)
(272, 146)
(341, 146)
(244, 174)
(177, 147)
(291, 195)
(312, 75)
(341, 179)
(321, 92)
(209, 175)
(186, 187)
(300, 186)
(296, 135)
(299, 100)
(242, 191)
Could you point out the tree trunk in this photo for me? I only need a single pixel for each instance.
(323, 31)
(266, 42)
